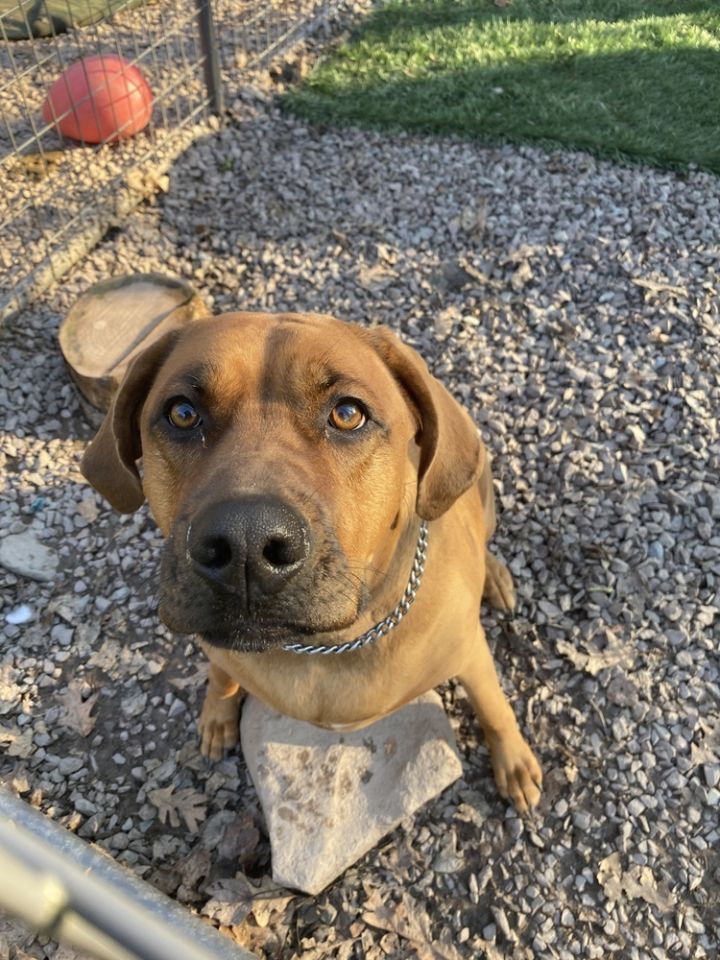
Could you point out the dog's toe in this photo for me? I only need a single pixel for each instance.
(517, 772)
(218, 727)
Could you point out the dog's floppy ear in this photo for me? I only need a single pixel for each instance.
(109, 463)
(451, 452)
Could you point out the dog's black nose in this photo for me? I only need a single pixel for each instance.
(251, 543)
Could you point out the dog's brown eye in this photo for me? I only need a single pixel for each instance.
(347, 415)
(183, 415)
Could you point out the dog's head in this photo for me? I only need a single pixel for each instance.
(284, 457)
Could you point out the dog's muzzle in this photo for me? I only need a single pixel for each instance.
(252, 545)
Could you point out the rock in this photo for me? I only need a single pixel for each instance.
(134, 704)
(329, 797)
(711, 772)
(19, 615)
(23, 554)
(70, 765)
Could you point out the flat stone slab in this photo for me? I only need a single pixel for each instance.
(329, 797)
(115, 320)
(23, 554)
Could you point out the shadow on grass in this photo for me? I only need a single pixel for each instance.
(665, 111)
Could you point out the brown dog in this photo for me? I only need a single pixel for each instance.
(290, 461)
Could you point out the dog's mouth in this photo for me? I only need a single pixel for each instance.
(256, 637)
(249, 634)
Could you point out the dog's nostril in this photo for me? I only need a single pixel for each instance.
(215, 554)
(280, 552)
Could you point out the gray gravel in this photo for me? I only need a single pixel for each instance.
(572, 305)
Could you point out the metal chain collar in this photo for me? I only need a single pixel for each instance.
(391, 621)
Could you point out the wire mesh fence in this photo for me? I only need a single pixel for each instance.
(256, 30)
(68, 169)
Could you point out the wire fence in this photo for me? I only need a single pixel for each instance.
(256, 30)
(68, 171)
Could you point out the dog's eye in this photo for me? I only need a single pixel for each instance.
(182, 414)
(347, 414)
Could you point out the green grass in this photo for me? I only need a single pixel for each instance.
(633, 77)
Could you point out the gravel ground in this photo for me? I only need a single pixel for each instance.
(572, 305)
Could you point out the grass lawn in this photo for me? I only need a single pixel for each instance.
(633, 77)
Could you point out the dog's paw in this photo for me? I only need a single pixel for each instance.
(517, 772)
(218, 725)
(499, 590)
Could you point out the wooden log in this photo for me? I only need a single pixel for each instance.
(116, 319)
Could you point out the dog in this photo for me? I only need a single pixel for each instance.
(326, 506)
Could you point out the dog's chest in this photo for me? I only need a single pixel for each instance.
(338, 693)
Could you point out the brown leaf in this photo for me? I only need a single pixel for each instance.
(235, 899)
(74, 711)
(230, 903)
(410, 921)
(16, 781)
(239, 840)
(637, 883)
(187, 802)
(106, 656)
(708, 750)
(267, 899)
(195, 679)
(193, 868)
(21, 741)
(10, 692)
(615, 653)
(265, 941)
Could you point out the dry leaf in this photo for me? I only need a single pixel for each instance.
(65, 953)
(74, 711)
(16, 781)
(230, 904)
(193, 869)
(239, 841)
(708, 750)
(263, 941)
(10, 692)
(88, 509)
(194, 680)
(337, 950)
(376, 277)
(107, 656)
(187, 802)
(267, 899)
(233, 900)
(638, 883)
(703, 753)
(616, 653)
(411, 922)
(473, 218)
(21, 741)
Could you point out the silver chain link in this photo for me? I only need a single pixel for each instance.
(391, 621)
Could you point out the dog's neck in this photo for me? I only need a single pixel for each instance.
(414, 539)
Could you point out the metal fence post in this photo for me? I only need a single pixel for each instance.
(209, 45)
(54, 880)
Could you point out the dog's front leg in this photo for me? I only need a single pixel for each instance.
(220, 714)
(517, 772)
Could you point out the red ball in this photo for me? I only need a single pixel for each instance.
(99, 99)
